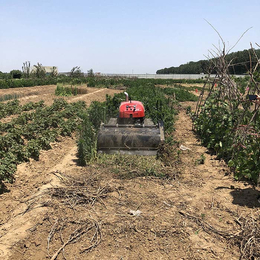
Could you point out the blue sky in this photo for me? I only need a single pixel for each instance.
(121, 36)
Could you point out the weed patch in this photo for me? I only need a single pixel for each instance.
(132, 166)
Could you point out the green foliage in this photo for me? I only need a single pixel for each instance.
(97, 114)
(76, 72)
(116, 82)
(38, 71)
(222, 127)
(18, 83)
(54, 72)
(86, 141)
(157, 106)
(16, 74)
(9, 108)
(201, 160)
(91, 82)
(65, 91)
(4, 75)
(180, 94)
(191, 67)
(7, 82)
(88, 129)
(90, 73)
(9, 97)
(26, 68)
(188, 110)
(26, 135)
(132, 166)
(48, 80)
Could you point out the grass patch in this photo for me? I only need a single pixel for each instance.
(132, 166)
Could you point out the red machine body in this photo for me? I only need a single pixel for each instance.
(131, 110)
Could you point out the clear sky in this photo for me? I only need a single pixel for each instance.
(119, 36)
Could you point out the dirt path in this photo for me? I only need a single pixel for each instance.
(179, 218)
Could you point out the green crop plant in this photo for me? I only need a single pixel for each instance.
(229, 123)
(180, 94)
(201, 160)
(34, 130)
(65, 91)
(132, 166)
(86, 141)
(9, 97)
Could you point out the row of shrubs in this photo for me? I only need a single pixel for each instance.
(222, 127)
(90, 81)
(19, 83)
(127, 82)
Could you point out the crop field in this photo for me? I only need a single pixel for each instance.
(62, 200)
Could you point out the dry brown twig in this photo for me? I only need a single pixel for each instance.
(247, 238)
(84, 227)
(53, 230)
(76, 192)
(207, 227)
(250, 237)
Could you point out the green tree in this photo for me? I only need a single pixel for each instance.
(16, 74)
(39, 71)
(54, 72)
(76, 72)
(26, 69)
(90, 73)
(239, 63)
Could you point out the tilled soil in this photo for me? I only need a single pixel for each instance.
(58, 210)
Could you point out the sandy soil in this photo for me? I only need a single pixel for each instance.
(58, 210)
(47, 93)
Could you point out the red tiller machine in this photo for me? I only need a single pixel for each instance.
(130, 132)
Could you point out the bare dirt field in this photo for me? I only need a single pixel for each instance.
(47, 94)
(58, 210)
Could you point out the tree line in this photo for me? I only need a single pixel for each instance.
(37, 75)
(239, 64)
(38, 71)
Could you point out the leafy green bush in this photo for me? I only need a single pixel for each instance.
(97, 114)
(26, 135)
(228, 129)
(10, 108)
(65, 91)
(180, 94)
(86, 141)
